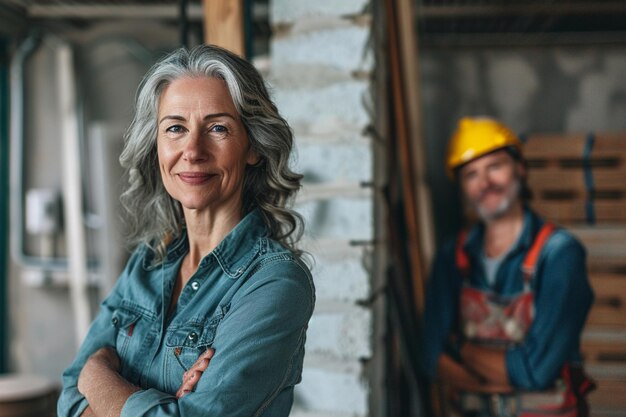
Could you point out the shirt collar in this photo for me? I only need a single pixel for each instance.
(532, 223)
(235, 252)
(242, 245)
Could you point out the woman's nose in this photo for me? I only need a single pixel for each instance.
(194, 150)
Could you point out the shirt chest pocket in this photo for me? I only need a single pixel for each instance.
(187, 342)
(124, 320)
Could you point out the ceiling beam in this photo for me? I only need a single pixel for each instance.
(137, 11)
(224, 24)
(581, 8)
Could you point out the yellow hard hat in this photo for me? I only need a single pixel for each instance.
(478, 136)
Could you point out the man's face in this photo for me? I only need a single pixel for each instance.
(492, 183)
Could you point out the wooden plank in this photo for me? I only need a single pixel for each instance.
(556, 162)
(605, 244)
(604, 352)
(540, 146)
(410, 62)
(223, 24)
(554, 146)
(610, 394)
(601, 235)
(557, 175)
(609, 143)
(406, 163)
(575, 212)
(609, 308)
(557, 178)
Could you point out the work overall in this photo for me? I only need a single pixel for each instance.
(499, 322)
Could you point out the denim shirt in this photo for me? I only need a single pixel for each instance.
(562, 300)
(250, 300)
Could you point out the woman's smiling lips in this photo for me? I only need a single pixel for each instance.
(195, 178)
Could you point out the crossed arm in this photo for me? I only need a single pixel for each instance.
(107, 391)
(481, 370)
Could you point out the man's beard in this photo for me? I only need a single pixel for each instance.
(510, 197)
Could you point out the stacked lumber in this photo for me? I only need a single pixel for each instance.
(578, 178)
(579, 182)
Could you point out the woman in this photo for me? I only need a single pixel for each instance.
(216, 277)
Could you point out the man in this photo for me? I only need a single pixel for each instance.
(508, 298)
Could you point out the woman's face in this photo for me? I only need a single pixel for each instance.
(202, 145)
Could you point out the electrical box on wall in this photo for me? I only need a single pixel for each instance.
(43, 211)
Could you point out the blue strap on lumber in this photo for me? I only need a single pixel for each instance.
(587, 170)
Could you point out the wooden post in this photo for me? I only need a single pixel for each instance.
(224, 24)
(408, 49)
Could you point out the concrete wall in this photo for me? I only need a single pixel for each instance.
(548, 89)
(321, 62)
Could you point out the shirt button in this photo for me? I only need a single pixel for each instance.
(193, 336)
(115, 321)
(195, 285)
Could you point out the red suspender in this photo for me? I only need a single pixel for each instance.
(462, 260)
(528, 266)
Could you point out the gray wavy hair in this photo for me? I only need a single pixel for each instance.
(152, 216)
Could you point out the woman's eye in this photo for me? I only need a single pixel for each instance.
(218, 129)
(174, 129)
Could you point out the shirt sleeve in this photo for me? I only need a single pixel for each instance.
(101, 333)
(563, 298)
(258, 352)
(441, 307)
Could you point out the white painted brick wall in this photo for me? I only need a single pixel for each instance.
(320, 60)
(341, 278)
(334, 161)
(284, 11)
(340, 330)
(332, 388)
(340, 218)
(303, 48)
(325, 110)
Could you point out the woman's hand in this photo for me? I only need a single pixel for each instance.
(192, 376)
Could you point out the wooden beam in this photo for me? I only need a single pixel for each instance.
(403, 140)
(404, 72)
(224, 24)
(410, 59)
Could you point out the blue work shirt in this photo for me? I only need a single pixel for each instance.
(250, 300)
(562, 299)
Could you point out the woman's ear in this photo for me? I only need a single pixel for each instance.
(252, 158)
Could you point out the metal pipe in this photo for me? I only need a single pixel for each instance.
(4, 207)
(16, 177)
(16, 183)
